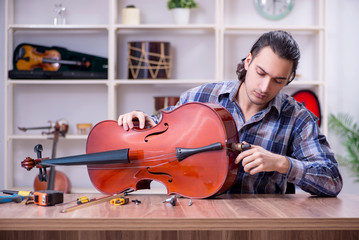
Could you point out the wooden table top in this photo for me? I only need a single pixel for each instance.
(226, 212)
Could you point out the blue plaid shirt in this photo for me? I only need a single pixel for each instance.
(284, 127)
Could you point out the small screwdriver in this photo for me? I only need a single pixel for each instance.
(82, 200)
(79, 200)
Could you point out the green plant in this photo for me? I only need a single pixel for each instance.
(344, 126)
(181, 4)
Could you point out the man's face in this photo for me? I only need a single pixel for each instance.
(266, 75)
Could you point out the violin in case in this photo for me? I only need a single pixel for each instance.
(32, 61)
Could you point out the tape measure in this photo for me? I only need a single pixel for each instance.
(119, 201)
(48, 197)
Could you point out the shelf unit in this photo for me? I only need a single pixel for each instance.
(222, 36)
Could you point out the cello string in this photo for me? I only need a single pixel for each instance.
(156, 157)
(129, 167)
(142, 161)
(154, 160)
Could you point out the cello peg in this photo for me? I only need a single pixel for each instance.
(38, 150)
(240, 147)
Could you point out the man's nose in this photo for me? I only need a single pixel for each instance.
(265, 84)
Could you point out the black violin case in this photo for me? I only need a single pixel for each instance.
(67, 64)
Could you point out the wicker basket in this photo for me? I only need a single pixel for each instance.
(149, 60)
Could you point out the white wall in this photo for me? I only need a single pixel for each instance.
(342, 64)
(2, 23)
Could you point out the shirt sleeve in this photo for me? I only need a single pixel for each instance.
(312, 165)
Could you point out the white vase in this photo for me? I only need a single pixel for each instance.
(181, 15)
(131, 16)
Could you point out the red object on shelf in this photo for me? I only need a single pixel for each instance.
(310, 100)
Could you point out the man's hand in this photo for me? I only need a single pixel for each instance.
(126, 120)
(257, 159)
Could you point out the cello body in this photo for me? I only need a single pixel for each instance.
(60, 182)
(152, 153)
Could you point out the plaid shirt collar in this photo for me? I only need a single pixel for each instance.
(231, 88)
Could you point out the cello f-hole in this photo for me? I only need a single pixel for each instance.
(156, 133)
(160, 173)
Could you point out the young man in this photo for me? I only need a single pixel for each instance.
(287, 145)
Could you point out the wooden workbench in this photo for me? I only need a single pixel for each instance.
(297, 216)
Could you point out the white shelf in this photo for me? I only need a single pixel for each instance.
(164, 81)
(116, 27)
(56, 81)
(271, 28)
(306, 83)
(57, 27)
(166, 27)
(44, 137)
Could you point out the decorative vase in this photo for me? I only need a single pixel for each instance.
(131, 16)
(181, 15)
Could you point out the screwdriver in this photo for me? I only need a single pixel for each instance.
(13, 198)
(79, 200)
(22, 193)
(82, 200)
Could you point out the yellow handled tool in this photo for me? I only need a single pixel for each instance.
(119, 201)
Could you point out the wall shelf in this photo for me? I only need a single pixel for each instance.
(45, 137)
(56, 27)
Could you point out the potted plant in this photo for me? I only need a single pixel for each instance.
(181, 10)
(344, 126)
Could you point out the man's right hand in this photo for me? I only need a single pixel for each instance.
(126, 120)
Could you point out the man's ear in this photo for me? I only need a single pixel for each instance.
(290, 78)
(247, 61)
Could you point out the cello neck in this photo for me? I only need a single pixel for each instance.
(115, 156)
(109, 157)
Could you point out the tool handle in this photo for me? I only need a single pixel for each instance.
(22, 193)
(13, 198)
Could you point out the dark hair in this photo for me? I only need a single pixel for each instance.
(281, 42)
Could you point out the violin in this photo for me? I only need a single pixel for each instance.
(191, 151)
(50, 60)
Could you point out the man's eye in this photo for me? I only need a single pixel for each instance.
(261, 74)
(279, 81)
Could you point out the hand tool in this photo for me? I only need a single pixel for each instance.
(42, 198)
(13, 198)
(92, 202)
(48, 197)
(22, 193)
(79, 200)
(119, 201)
(136, 201)
(171, 200)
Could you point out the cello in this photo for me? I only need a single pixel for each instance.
(191, 151)
(55, 180)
